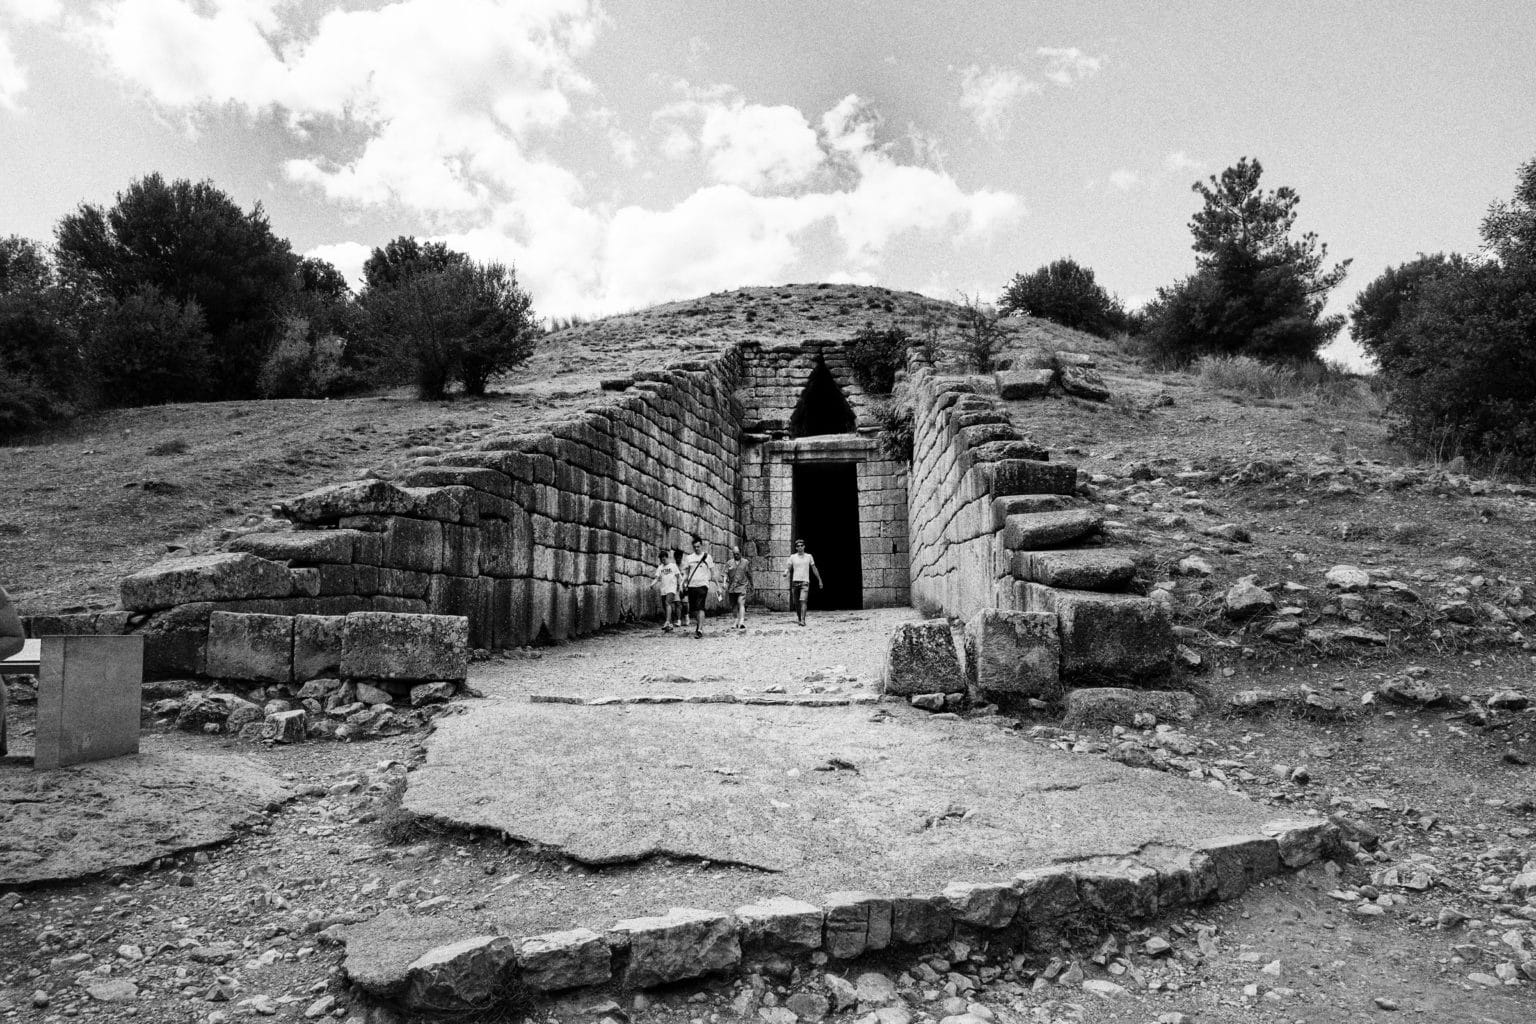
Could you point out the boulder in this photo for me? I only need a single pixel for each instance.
(1241, 861)
(1113, 705)
(253, 647)
(393, 645)
(562, 960)
(222, 709)
(354, 498)
(440, 692)
(1013, 653)
(1246, 599)
(381, 950)
(286, 726)
(1414, 693)
(982, 904)
(226, 576)
(780, 923)
(1084, 382)
(1302, 842)
(920, 658)
(680, 945)
(470, 974)
(1013, 385)
(1348, 578)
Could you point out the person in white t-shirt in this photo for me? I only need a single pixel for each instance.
(668, 581)
(698, 574)
(800, 571)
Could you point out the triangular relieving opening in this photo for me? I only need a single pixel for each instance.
(822, 409)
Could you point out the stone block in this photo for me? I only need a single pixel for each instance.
(780, 923)
(414, 544)
(1300, 843)
(388, 645)
(1015, 504)
(464, 975)
(353, 498)
(88, 690)
(1113, 705)
(1241, 861)
(997, 451)
(1046, 896)
(982, 904)
(856, 923)
(1107, 637)
(1184, 877)
(560, 960)
(1084, 382)
(920, 658)
(1013, 653)
(226, 576)
(680, 945)
(286, 726)
(919, 920)
(1118, 890)
(176, 643)
(1106, 569)
(317, 646)
(1030, 476)
(1033, 530)
(306, 547)
(258, 648)
(1013, 385)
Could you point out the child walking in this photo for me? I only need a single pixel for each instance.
(738, 584)
(668, 578)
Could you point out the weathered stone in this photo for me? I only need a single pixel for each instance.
(840, 991)
(919, 920)
(353, 498)
(381, 950)
(1086, 569)
(1118, 890)
(286, 727)
(921, 658)
(306, 547)
(204, 709)
(856, 923)
(1047, 895)
(1240, 862)
(110, 990)
(781, 923)
(1113, 705)
(1414, 693)
(440, 692)
(252, 647)
(1184, 877)
(562, 960)
(1013, 653)
(875, 989)
(1084, 382)
(982, 904)
(1348, 578)
(1246, 599)
(1013, 385)
(369, 694)
(1030, 476)
(927, 701)
(1107, 637)
(1032, 530)
(317, 646)
(807, 1005)
(389, 645)
(469, 974)
(1014, 504)
(1300, 843)
(680, 945)
(226, 576)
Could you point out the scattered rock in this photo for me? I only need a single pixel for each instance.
(1246, 599)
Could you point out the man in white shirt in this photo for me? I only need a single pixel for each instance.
(800, 570)
(698, 573)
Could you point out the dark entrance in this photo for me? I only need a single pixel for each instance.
(827, 519)
(822, 408)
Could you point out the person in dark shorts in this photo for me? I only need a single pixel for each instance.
(698, 575)
(800, 571)
(12, 639)
(738, 585)
(668, 580)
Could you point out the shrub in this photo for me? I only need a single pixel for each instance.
(876, 355)
(979, 339)
(44, 375)
(1066, 293)
(304, 364)
(897, 435)
(149, 349)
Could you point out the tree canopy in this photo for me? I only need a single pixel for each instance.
(1064, 291)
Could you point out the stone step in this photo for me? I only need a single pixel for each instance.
(1015, 504)
(1102, 569)
(1107, 638)
(1033, 530)
(1030, 476)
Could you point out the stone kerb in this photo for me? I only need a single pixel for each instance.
(530, 536)
(396, 955)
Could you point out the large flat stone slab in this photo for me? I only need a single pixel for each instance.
(125, 812)
(771, 788)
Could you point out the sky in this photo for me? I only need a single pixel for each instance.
(621, 153)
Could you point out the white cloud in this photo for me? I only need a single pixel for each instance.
(31, 10)
(13, 77)
(347, 257)
(990, 96)
(1068, 64)
(1124, 179)
(752, 146)
(1179, 162)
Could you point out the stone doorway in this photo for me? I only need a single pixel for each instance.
(826, 517)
